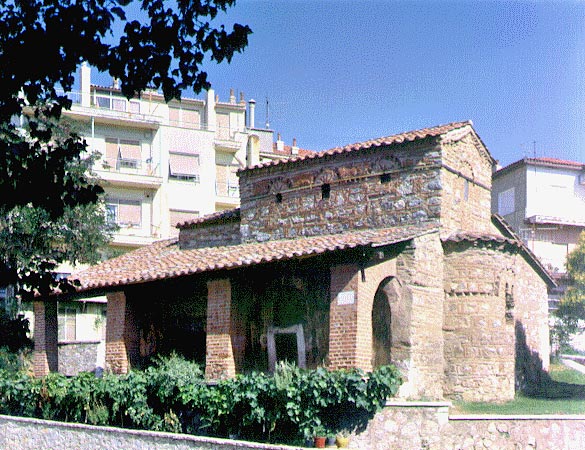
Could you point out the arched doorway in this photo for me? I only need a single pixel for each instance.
(390, 323)
(381, 327)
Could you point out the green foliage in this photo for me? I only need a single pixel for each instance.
(571, 312)
(173, 396)
(45, 191)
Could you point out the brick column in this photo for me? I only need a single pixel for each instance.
(219, 361)
(45, 357)
(343, 327)
(122, 340)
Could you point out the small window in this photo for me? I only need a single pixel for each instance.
(279, 198)
(325, 191)
(506, 202)
(509, 304)
(66, 323)
(385, 178)
(466, 190)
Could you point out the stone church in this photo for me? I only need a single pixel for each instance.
(379, 252)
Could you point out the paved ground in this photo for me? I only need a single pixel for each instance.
(565, 359)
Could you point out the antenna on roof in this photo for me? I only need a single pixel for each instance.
(534, 148)
(267, 115)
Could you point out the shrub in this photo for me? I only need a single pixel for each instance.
(173, 396)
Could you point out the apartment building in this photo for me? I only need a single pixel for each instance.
(543, 200)
(162, 163)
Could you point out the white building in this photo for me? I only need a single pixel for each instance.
(543, 199)
(166, 163)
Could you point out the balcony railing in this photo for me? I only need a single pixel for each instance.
(127, 165)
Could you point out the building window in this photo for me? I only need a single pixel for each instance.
(509, 304)
(506, 202)
(124, 213)
(183, 166)
(325, 191)
(123, 154)
(466, 190)
(227, 184)
(66, 319)
(184, 117)
(279, 198)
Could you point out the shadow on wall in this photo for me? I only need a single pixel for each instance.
(533, 381)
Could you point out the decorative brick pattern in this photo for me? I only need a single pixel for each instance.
(46, 356)
(220, 362)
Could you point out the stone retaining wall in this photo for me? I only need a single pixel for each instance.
(401, 425)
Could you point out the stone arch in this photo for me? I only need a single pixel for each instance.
(390, 323)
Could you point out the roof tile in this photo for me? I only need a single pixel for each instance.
(164, 259)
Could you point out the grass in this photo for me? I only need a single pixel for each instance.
(561, 392)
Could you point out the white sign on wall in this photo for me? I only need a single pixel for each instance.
(346, 298)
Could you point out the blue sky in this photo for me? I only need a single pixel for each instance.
(337, 72)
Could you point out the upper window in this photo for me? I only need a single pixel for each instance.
(123, 154)
(184, 166)
(124, 212)
(184, 117)
(506, 202)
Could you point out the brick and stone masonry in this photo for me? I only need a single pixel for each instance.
(45, 357)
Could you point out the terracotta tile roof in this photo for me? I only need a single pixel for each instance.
(164, 259)
(542, 162)
(508, 237)
(217, 217)
(409, 136)
(287, 150)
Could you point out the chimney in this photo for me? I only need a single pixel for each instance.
(294, 149)
(85, 84)
(115, 83)
(251, 119)
(279, 143)
(242, 101)
(232, 96)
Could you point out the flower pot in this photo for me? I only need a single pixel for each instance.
(342, 442)
(330, 443)
(319, 441)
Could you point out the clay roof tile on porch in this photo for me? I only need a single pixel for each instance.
(164, 259)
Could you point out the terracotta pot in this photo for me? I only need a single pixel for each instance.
(319, 441)
(342, 442)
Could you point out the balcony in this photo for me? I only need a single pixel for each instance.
(129, 172)
(226, 139)
(108, 107)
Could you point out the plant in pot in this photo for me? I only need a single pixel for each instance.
(342, 438)
(330, 441)
(320, 436)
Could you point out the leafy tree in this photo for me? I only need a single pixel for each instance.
(159, 44)
(571, 311)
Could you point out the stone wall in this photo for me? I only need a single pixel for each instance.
(466, 179)
(371, 188)
(419, 425)
(18, 433)
(401, 425)
(479, 354)
(420, 274)
(493, 298)
(75, 357)
(210, 235)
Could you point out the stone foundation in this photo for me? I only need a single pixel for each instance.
(401, 425)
